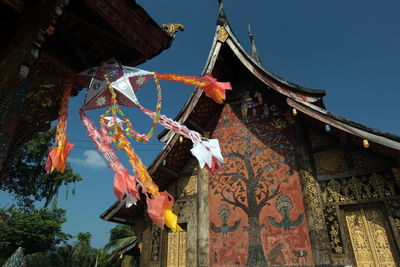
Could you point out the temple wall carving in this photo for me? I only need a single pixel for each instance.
(352, 184)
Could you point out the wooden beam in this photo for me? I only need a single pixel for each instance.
(194, 126)
(319, 115)
(169, 171)
(110, 214)
(350, 173)
(18, 5)
(203, 223)
(98, 29)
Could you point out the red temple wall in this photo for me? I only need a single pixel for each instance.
(255, 200)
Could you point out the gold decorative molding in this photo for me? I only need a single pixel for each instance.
(172, 28)
(222, 34)
(187, 186)
(360, 188)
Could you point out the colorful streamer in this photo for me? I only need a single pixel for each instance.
(111, 85)
(57, 158)
(207, 83)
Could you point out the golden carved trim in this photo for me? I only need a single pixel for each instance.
(176, 249)
(172, 28)
(187, 186)
(222, 34)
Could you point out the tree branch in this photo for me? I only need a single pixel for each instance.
(268, 197)
(234, 203)
(236, 155)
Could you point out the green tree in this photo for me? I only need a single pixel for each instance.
(120, 237)
(34, 230)
(26, 177)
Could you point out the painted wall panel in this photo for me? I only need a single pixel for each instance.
(255, 200)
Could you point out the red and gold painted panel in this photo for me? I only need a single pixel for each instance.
(255, 200)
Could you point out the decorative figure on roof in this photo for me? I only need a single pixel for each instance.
(254, 52)
(111, 85)
(172, 28)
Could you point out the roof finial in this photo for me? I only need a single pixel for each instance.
(254, 52)
(222, 20)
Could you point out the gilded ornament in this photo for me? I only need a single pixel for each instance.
(311, 199)
(356, 187)
(335, 236)
(173, 28)
(222, 34)
(334, 191)
(378, 184)
(188, 186)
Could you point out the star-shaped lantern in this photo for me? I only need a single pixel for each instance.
(124, 79)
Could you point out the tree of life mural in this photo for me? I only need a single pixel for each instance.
(255, 169)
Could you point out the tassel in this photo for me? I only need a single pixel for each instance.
(57, 158)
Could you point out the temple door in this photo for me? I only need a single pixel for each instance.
(369, 234)
(176, 249)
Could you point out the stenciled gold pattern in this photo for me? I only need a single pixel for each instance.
(329, 162)
(319, 140)
(369, 239)
(362, 160)
(176, 253)
(335, 236)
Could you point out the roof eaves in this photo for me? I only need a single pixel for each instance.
(351, 127)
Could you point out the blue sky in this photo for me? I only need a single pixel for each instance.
(348, 48)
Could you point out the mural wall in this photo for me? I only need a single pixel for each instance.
(255, 201)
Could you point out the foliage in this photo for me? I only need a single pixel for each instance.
(120, 237)
(26, 177)
(34, 230)
(78, 254)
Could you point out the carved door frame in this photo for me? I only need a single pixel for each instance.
(382, 205)
(164, 258)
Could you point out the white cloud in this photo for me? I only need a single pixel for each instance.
(91, 159)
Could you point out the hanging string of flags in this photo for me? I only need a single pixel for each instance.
(111, 85)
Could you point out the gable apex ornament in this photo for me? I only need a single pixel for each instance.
(222, 34)
(172, 28)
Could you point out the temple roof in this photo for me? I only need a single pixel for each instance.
(85, 34)
(199, 111)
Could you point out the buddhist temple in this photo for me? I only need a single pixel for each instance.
(46, 42)
(300, 186)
